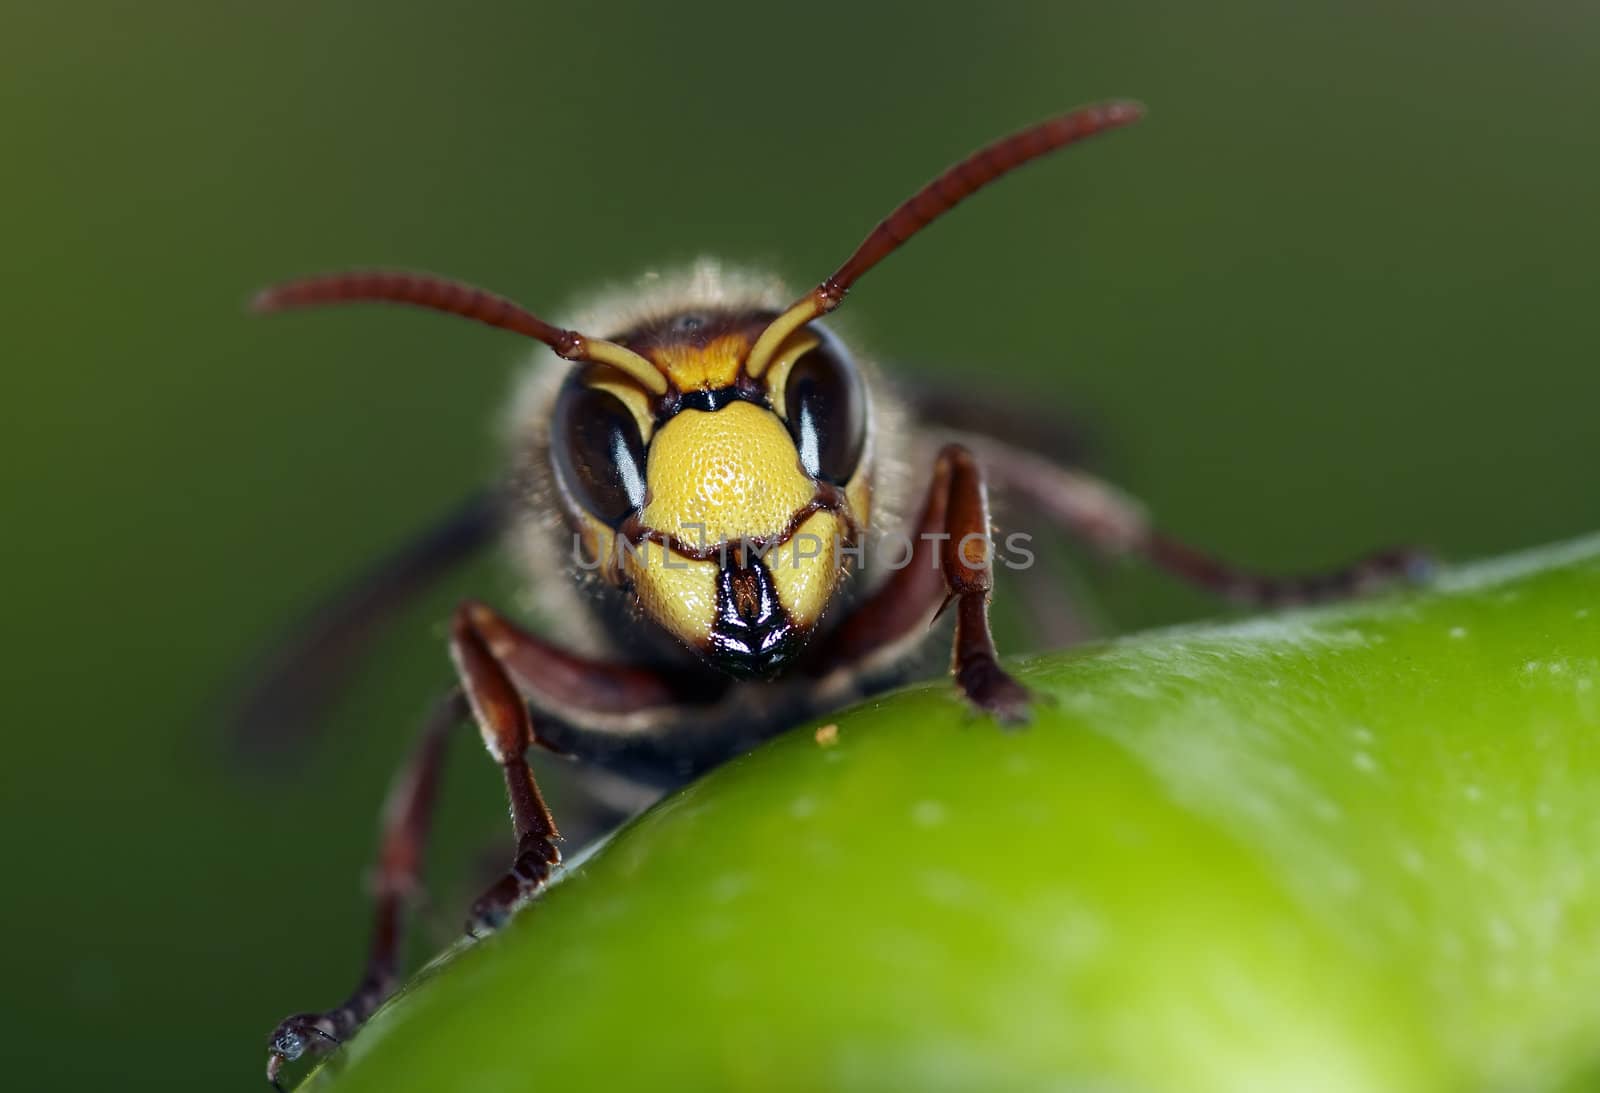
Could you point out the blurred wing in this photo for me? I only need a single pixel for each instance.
(286, 694)
(965, 407)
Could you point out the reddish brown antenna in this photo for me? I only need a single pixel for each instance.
(935, 199)
(453, 298)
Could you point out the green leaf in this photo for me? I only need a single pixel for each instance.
(1339, 849)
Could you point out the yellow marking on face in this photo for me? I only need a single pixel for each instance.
(808, 307)
(716, 364)
(777, 375)
(720, 476)
(596, 545)
(805, 569)
(623, 360)
(858, 491)
(637, 402)
(678, 593)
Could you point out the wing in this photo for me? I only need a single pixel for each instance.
(965, 408)
(285, 693)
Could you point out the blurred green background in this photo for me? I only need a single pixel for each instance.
(1337, 291)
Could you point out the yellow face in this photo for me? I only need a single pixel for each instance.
(726, 504)
(716, 476)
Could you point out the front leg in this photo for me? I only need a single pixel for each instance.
(498, 665)
(507, 729)
(951, 562)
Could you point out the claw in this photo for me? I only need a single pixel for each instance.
(292, 1039)
(993, 691)
(488, 916)
(1419, 566)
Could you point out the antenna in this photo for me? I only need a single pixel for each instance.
(425, 290)
(931, 202)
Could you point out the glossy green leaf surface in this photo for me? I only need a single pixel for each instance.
(1342, 849)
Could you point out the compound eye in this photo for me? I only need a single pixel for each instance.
(599, 455)
(826, 407)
